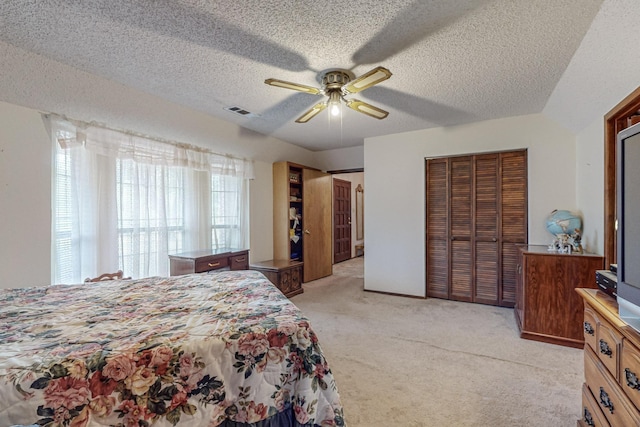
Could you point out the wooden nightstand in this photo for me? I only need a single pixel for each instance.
(208, 260)
(285, 274)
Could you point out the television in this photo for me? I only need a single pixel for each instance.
(628, 232)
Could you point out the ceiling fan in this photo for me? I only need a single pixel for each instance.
(336, 84)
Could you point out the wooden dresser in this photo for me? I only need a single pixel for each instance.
(547, 308)
(611, 392)
(208, 260)
(285, 274)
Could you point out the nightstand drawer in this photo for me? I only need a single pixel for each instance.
(239, 262)
(211, 263)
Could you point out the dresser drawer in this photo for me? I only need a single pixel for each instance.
(630, 372)
(211, 263)
(608, 346)
(590, 326)
(239, 262)
(207, 260)
(591, 413)
(616, 407)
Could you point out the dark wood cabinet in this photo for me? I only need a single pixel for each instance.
(476, 210)
(208, 260)
(547, 307)
(285, 274)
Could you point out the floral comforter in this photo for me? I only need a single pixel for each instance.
(218, 349)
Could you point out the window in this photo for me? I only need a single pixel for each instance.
(225, 205)
(125, 202)
(62, 220)
(151, 222)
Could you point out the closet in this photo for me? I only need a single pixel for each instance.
(302, 218)
(476, 214)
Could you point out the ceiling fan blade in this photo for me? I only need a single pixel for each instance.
(293, 86)
(312, 112)
(367, 80)
(368, 109)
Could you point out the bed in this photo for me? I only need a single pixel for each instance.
(214, 349)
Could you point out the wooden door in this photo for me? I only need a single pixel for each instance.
(487, 233)
(461, 227)
(476, 214)
(513, 220)
(341, 220)
(316, 224)
(437, 227)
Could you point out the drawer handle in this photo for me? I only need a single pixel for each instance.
(243, 259)
(605, 349)
(588, 418)
(588, 328)
(605, 401)
(632, 379)
(214, 264)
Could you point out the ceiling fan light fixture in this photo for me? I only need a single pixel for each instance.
(335, 84)
(367, 80)
(334, 103)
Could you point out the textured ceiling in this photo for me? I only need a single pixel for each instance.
(453, 62)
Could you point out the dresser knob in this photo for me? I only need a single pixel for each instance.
(605, 401)
(605, 349)
(588, 328)
(588, 418)
(632, 379)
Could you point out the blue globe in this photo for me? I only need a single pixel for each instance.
(563, 222)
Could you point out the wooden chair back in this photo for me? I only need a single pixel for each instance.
(118, 275)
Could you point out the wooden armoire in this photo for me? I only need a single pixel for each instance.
(476, 214)
(302, 218)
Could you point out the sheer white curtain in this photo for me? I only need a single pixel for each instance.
(124, 201)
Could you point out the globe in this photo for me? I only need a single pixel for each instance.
(563, 222)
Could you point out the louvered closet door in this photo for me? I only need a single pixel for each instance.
(476, 213)
(513, 219)
(487, 250)
(437, 208)
(461, 227)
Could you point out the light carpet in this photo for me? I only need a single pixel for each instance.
(401, 361)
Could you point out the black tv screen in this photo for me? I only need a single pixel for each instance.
(628, 233)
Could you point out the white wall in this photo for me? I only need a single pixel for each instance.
(25, 198)
(602, 72)
(340, 159)
(395, 189)
(590, 185)
(261, 204)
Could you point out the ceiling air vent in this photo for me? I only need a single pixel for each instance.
(241, 111)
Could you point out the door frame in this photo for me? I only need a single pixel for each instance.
(626, 108)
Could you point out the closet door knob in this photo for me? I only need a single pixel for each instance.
(307, 232)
